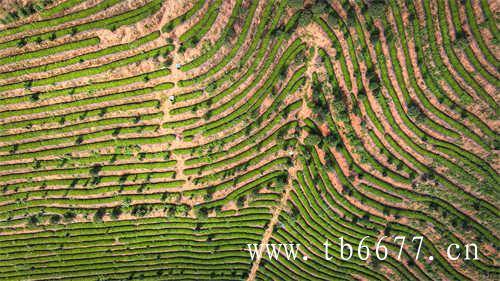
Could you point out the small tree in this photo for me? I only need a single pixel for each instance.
(33, 220)
(21, 43)
(414, 111)
(69, 216)
(296, 4)
(319, 8)
(99, 214)
(305, 18)
(55, 219)
(116, 212)
(376, 9)
(312, 140)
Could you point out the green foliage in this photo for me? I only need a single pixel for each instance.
(376, 8)
(312, 140)
(296, 4)
(305, 18)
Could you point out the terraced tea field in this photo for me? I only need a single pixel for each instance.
(156, 139)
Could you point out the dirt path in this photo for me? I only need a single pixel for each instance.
(269, 231)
